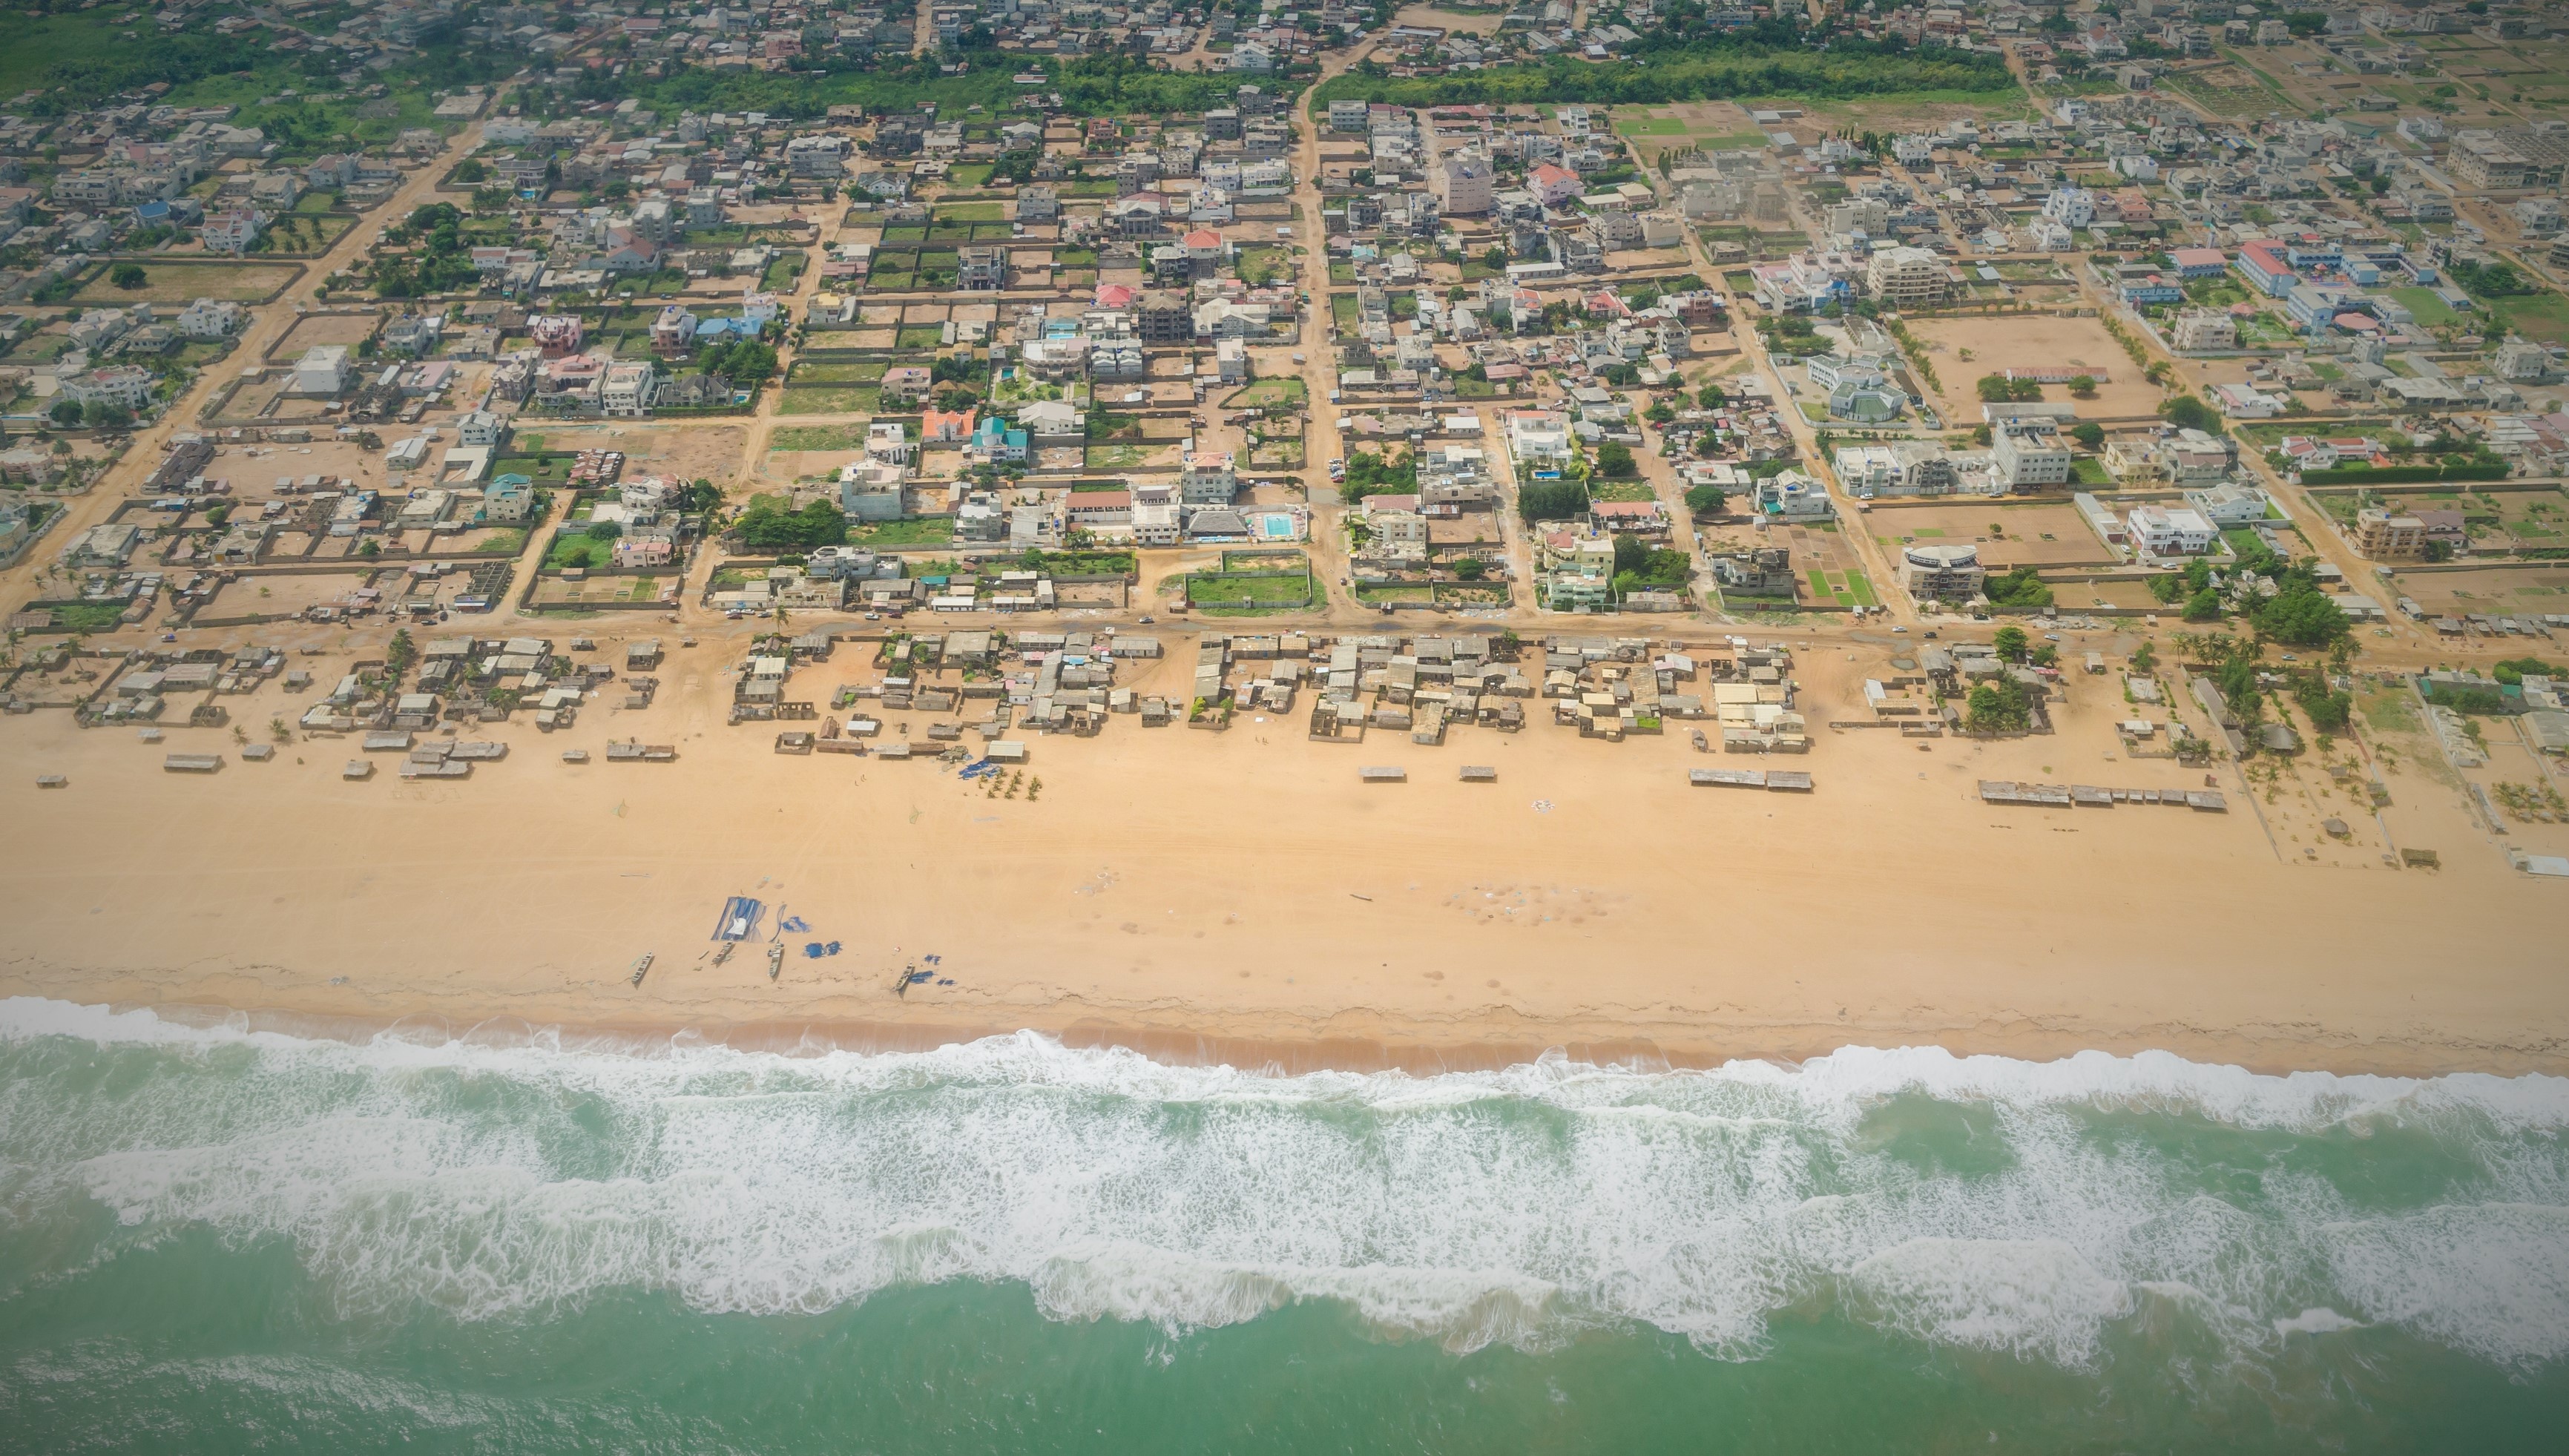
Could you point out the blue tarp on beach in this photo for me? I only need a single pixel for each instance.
(739, 919)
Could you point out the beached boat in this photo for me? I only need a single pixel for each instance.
(641, 968)
(775, 960)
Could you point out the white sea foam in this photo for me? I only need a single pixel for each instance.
(2322, 1320)
(499, 1177)
(2025, 1296)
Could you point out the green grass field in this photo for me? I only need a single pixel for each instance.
(1268, 393)
(2424, 306)
(851, 371)
(853, 398)
(1648, 126)
(2540, 316)
(914, 531)
(817, 437)
(1842, 589)
(1274, 592)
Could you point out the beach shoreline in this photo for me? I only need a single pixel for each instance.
(1270, 1047)
(1243, 896)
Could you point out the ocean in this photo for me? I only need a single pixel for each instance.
(220, 1240)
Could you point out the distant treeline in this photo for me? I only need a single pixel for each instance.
(2408, 475)
(1708, 69)
(1089, 85)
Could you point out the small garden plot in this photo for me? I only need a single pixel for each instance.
(815, 436)
(1643, 125)
(837, 371)
(920, 336)
(1259, 266)
(2543, 317)
(542, 468)
(1114, 457)
(1282, 392)
(911, 531)
(1273, 587)
(558, 590)
(947, 213)
(1631, 489)
(1842, 589)
(829, 399)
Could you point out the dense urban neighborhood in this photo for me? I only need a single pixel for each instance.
(1671, 322)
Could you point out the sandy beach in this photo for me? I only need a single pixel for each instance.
(1240, 895)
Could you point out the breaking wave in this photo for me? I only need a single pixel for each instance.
(2030, 1208)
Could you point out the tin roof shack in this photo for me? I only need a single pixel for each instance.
(759, 689)
(642, 656)
(1610, 687)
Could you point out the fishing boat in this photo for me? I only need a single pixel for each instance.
(775, 960)
(725, 953)
(641, 968)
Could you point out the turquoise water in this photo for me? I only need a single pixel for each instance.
(214, 1240)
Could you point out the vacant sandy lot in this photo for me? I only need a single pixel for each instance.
(2033, 341)
(2503, 590)
(2043, 534)
(684, 451)
(181, 283)
(283, 593)
(350, 329)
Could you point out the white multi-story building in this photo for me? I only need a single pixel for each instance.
(2161, 531)
(2229, 504)
(2205, 330)
(210, 318)
(2029, 454)
(323, 370)
(1540, 441)
(1209, 479)
(480, 428)
(2070, 206)
(1906, 276)
(889, 443)
(629, 388)
(1462, 184)
(124, 386)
